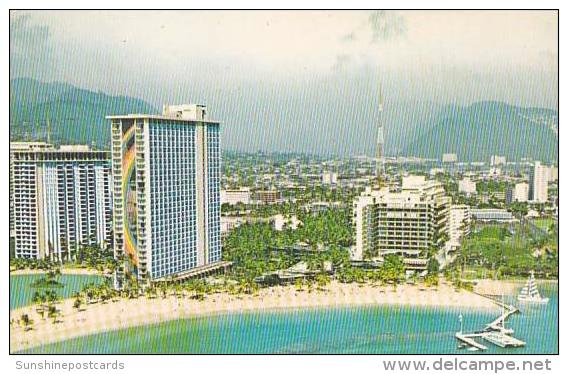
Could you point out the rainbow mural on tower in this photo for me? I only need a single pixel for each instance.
(129, 194)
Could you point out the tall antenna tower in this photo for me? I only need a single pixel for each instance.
(380, 159)
(48, 131)
(47, 128)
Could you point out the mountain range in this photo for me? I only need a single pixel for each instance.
(71, 115)
(475, 132)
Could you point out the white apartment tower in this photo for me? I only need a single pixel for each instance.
(459, 225)
(538, 184)
(60, 199)
(408, 223)
(521, 193)
(329, 178)
(166, 172)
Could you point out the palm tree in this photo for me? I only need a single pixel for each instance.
(310, 283)
(77, 303)
(322, 281)
(53, 312)
(27, 322)
(178, 290)
(151, 291)
(40, 299)
(299, 284)
(163, 289)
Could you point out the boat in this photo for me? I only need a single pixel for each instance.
(529, 293)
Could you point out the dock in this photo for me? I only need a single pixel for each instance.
(503, 340)
(468, 339)
(498, 324)
(494, 332)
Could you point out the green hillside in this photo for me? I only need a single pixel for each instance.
(474, 132)
(483, 129)
(76, 116)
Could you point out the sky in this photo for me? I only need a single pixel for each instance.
(274, 72)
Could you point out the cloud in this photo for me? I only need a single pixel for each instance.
(350, 37)
(23, 33)
(341, 61)
(386, 26)
(30, 46)
(379, 26)
(217, 49)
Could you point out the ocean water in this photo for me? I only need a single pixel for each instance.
(21, 292)
(348, 330)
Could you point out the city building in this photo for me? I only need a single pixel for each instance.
(450, 160)
(509, 195)
(322, 206)
(409, 223)
(166, 172)
(449, 157)
(499, 195)
(458, 226)
(498, 160)
(436, 171)
(553, 177)
(21, 146)
(233, 197)
(494, 172)
(268, 196)
(329, 178)
(538, 183)
(492, 215)
(521, 193)
(467, 186)
(59, 198)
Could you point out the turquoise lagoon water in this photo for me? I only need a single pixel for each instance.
(350, 330)
(21, 292)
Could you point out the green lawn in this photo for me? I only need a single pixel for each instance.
(509, 253)
(543, 223)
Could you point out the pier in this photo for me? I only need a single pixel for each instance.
(499, 323)
(468, 340)
(494, 332)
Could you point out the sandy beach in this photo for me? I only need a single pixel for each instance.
(69, 271)
(504, 287)
(134, 312)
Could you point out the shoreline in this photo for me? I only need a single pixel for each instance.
(125, 313)
(506, 287)
(64, 271)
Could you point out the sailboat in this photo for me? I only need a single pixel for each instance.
(530, 293)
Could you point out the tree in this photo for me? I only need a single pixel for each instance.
(40, 300)
(299, 284)
(393, 268)
(322, 280)
(433, 266)
(77, 303)
(431, 280)
(53, 312)
(26, 321)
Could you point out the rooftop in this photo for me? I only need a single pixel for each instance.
(40, 147)
(159, 117)
(182, 113)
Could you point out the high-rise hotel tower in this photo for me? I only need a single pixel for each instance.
(59, 199)
(407, 223)
(166, 173)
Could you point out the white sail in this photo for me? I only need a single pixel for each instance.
(530, 292)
